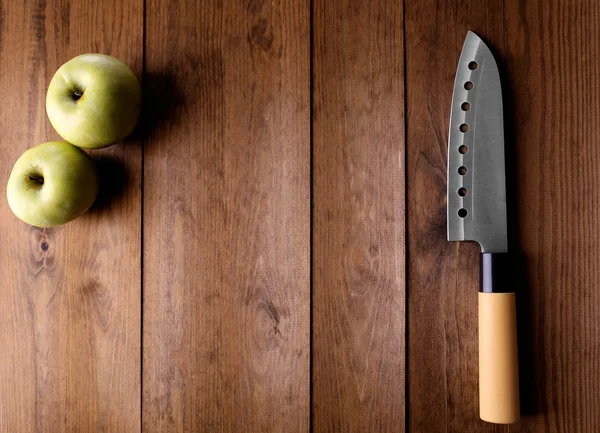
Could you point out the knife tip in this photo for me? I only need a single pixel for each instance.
(472, 34)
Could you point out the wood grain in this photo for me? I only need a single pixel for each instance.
(227, 217)
(358, 217)
(443, 277)
(553, 57)
(226, 172)
(70, 296)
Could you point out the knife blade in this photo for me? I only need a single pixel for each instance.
(476, 198)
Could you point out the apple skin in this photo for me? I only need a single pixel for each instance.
(93, 101)
(51, 184)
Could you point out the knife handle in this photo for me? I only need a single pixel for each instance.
(498, 358)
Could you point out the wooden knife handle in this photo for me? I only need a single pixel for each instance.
(498, 358)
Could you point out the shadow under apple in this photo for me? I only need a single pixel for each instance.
(161, 99)
(112, 180)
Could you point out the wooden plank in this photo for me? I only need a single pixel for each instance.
(70, 309)
(358, 217)
(443, 277)
(553, 57)
(227, 217)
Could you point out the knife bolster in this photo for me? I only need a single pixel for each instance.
(495, 271)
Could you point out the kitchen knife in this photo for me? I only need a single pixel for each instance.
(477, 212)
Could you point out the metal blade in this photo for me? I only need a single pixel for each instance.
(477, 198)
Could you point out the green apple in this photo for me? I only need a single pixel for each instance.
(94, 101)
(52, 184)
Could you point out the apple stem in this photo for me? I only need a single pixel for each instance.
(39, 180)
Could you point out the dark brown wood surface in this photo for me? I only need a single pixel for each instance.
(227, 217)
(358, 263)
(70, 296)
(552, 60)
(287, 143)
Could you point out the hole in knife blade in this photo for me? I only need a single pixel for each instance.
(465, 106)
(462, 170)
(468, 85)
(464, 127)
(462, 213)
(463, 149)
(473, 66)
(463, 192)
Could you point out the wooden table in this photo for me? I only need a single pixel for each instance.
(268, 251)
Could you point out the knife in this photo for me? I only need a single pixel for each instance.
(477, 212)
